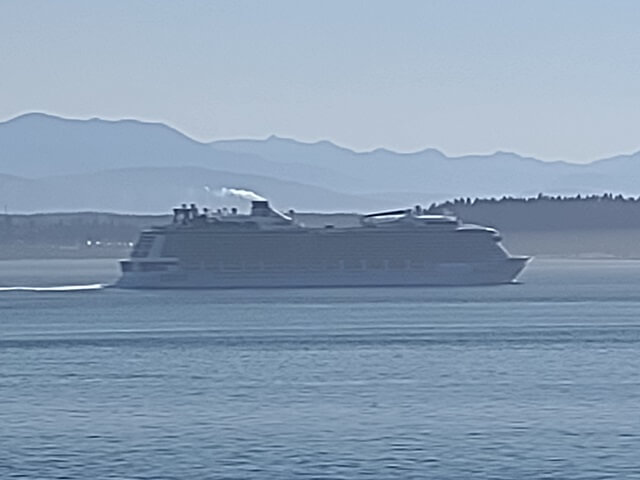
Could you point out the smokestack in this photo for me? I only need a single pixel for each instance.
(260, 208)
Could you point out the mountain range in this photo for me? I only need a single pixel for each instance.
(48, 163)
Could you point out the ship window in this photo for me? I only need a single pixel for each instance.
(153, 267)
(353, 264)
(143, 247)
(376, 264)
(127, 266)
(397, 264)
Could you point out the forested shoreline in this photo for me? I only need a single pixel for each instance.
(582, 226)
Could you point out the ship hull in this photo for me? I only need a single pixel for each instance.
(443, 274)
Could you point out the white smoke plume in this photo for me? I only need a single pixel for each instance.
(240, 193)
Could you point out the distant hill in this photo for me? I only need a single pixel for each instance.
(157, 190)
(37, 145)
(49, 163)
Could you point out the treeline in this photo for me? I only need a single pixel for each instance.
(548, 213)
(594, 225)
(85, 234)
(540, 213)
(74, 228)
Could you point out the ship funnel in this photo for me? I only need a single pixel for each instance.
(260, 208)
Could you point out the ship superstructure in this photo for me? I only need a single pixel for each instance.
(266, 248)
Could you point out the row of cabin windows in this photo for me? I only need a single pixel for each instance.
(143, 247)
(373, 258)
(145, 267)
(350, 265)
(247, 246)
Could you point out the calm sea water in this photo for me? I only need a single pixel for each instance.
(538, 380)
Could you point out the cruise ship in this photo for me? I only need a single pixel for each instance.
(266, 248)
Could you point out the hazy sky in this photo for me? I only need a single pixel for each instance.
(553, 79)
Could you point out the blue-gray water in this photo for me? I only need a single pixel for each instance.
(538, 380)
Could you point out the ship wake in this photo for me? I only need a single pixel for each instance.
(61, 288)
